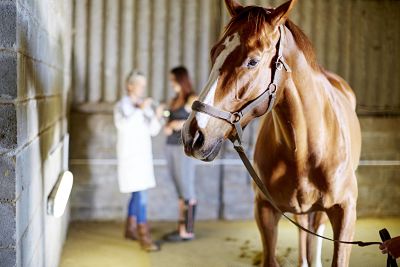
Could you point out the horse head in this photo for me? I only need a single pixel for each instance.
(242, 68)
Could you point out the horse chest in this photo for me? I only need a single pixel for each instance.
(298, 196)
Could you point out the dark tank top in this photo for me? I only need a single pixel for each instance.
(177, 114)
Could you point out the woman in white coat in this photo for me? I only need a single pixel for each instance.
(136, 121)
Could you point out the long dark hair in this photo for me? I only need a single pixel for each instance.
(181, 75)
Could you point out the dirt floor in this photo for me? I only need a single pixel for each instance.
(218, 244)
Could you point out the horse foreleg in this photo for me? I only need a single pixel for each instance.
(319, 220)
(304, 252)
(343, 219)
(267, 221)
(314, 221)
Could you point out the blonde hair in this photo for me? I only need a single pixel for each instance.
(133, 76)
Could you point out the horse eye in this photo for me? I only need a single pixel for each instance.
(252, 63)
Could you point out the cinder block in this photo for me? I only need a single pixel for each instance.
(8, 22)
(163, 199)
(50, 138)
(380, 139)
(54, 237)
(104, 214)
(24, 31)
(50, 111)
(8, 257)
(94, 175)
(8, 178)
(35, 116)
(378, 191)
(29, 187)
(28, 121)
(39, 79)
(96, 191)
(93, 137)
(28, 30)
(97, 196)
(52, 167)
(207, 191)
(8, 127)
(28, 167)
(32, 238)
(238, 194)
(37, 258)
(8, 73)
(54, 81)
(7, 224)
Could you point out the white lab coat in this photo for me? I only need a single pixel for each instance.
(134, 152)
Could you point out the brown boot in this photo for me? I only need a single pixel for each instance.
(145, 239)
(131, 228)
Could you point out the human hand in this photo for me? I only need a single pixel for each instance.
(160, 110)
(168, 130)
(391, 246)
(146, 103)
(177, 125)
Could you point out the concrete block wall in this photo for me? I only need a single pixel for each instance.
(35, 52)
(223, 187)
(96, 196)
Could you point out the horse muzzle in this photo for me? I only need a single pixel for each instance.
(198, 145)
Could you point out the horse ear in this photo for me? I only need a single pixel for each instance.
(233, 7)
(281, 13)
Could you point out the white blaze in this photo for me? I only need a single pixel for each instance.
(208, 93)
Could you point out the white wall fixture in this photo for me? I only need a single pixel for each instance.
(58, 198)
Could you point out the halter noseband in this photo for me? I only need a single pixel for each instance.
(234, 118)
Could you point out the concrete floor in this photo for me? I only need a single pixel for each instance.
(218, 243)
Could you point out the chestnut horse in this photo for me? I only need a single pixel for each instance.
(308, 146)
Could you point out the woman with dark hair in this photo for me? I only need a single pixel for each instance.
(181, 167)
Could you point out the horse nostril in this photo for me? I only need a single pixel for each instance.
(198, 140)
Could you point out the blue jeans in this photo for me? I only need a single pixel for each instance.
(137, 206)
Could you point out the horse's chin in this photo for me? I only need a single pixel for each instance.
(209, 154)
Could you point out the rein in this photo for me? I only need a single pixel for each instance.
(234, 118)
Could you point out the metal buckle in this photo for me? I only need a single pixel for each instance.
(279, 65)
(235, 117)
(274, 88)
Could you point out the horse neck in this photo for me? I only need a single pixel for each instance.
(300, 104)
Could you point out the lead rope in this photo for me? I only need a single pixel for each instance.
(240, 150)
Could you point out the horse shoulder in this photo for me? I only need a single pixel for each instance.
(342, 86)
(352, 121)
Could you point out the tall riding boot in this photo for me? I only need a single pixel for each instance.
(131, 228)
(145, 239)
(190, 214)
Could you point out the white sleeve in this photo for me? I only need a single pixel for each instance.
(122, 113)
(154, 123)
(155, 126)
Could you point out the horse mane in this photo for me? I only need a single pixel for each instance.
(304, 44)
(260, 16)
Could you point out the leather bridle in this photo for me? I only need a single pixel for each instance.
(269, 95)
(235, 118)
